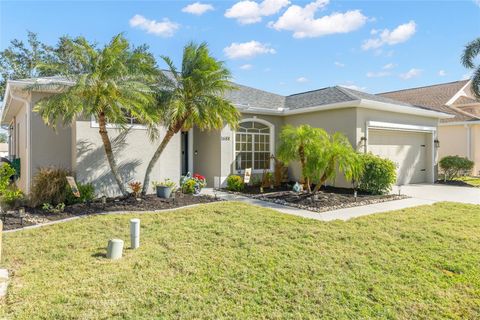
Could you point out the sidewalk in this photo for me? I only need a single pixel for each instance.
(339, 214)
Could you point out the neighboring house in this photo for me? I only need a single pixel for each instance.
(400, 131)
(459, 135)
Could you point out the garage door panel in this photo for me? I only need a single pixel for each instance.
(406, 149)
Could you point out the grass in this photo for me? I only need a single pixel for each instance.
(473, 181)
(232, 260)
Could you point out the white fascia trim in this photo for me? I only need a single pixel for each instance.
(458, 94)
(399, 126)
(458, 123)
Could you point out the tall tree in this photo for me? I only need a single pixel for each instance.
(110, 84)
(193, 96)
(472, 51)
(20, 60)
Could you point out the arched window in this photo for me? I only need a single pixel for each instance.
(253, 145)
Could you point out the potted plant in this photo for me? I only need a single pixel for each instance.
(193, 184)
(164, 189)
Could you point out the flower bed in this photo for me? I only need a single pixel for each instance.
(329, 198)
(149, 203)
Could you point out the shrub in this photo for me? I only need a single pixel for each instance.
(235, 183)
(136, 187)
(87, 194)
(10, 196)
(49, 186)
(379, 174)
(189, 186)
(455, 166)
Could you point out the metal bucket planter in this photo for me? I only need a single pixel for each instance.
(164, 192)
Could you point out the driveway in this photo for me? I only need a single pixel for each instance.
(438, 192)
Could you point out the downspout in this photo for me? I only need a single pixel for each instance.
(469, 141)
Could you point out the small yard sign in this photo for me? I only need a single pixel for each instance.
(73, 186)
(247, 175)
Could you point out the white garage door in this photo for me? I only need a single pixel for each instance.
(407, 149)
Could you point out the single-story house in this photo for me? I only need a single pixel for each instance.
(460, 134)
(402, 132)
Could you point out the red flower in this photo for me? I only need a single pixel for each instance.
(198, 176)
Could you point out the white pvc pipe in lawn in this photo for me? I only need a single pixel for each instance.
(135, 233)
(114, 249)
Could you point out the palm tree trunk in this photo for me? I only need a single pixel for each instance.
(301, 151)
(109, 152)
(166, 139)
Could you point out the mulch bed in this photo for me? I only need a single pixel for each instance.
(457, 183)
(328, 198)
(35, 216)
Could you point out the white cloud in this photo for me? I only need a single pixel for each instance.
(353, 87)
(246, 67)
(386, 37)
(302, 80)
(247, 50)
(248, 12)
(302, 22)
(467, 76)
(442, 73)
(412, 73)
(379, 74)
(164, 28)
(389, 66)
(339, 64)
(477, 2)
(197, 8)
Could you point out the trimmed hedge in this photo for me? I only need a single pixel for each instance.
(379, 174)
(455, 166)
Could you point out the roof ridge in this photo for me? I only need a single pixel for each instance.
(421, 87)
(349, 92)
(308, 91)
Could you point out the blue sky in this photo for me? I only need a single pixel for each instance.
(277, 45)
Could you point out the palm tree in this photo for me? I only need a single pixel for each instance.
(337, 155)
(299, 144)
(472, 50)
(193, 96)
(109, 84)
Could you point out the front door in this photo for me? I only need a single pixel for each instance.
(184, 153)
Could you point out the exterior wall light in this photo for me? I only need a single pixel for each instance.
(436, 143)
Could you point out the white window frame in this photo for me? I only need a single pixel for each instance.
(271, 127)
(94, 124)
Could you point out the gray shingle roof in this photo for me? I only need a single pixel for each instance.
(247, 97)
(317, 98)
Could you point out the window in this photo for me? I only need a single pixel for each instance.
(253, 147)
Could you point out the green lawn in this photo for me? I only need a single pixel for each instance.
(232, 260)
(473, 181)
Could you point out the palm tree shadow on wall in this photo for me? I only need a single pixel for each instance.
(93, 166)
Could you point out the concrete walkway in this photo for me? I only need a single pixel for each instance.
(420, 194)
(340, 214)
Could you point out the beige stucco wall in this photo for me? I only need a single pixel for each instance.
(475, 143)
(49, 147)
(338, 120)
(454, 140)
(133, 150)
